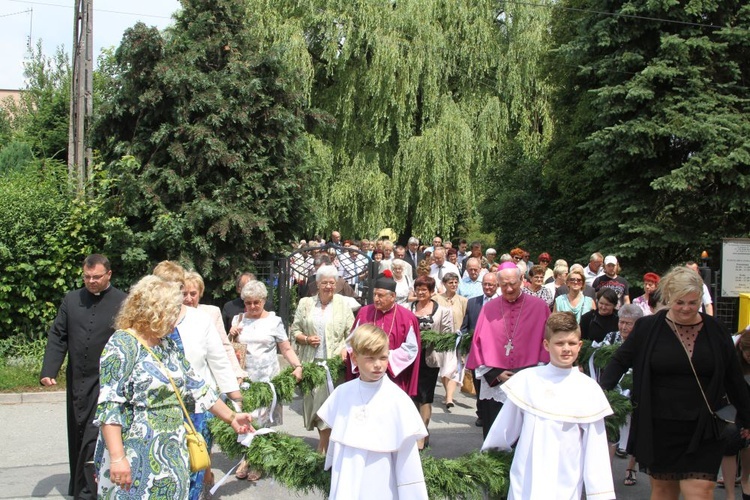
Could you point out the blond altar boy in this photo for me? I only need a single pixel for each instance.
(374, 429)
(554, 415)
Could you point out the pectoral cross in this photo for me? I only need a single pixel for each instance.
(508, 347)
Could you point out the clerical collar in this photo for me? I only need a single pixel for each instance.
(103, 291)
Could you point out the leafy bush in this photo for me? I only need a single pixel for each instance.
(45, 234)
(15, 156)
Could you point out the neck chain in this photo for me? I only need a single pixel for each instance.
(393, 321)
(510, 334)
(361, 413)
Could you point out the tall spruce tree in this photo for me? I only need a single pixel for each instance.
(651, 155)
(220, 169)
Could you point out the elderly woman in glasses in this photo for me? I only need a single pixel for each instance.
(536, 286)
(264, 334)
(544, 260)
(321, 325)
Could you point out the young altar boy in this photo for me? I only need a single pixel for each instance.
(374, 429)
(554, 415)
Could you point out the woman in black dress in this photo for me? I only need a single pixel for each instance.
(433, 317)
(678, 355)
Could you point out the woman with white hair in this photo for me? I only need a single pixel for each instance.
(321, 325)
(404, 291)
(263, 332)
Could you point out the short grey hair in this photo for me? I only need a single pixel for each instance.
(326, 271)
(254, 290)
(398, 263)
(630, 311)
(450, 276)
(413, 240)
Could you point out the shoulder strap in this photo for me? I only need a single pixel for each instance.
(166, 372)
(687, 353)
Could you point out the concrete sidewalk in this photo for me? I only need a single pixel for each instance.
(34, 463)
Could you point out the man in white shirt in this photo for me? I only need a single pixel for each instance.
(440, 267)
(708, 303)
(594, 269)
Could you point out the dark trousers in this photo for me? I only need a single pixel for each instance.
(490, 410)
(477, 387)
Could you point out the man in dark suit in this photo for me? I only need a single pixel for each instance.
(489, 287)
(413, 257)
(83, 325)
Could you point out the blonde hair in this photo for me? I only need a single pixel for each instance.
(170, 270)
(151, 308)
(579, 273)
(194, 278)
(679, 282)
(561, 322)
(368, 340)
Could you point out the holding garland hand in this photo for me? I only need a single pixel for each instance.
(241, 423)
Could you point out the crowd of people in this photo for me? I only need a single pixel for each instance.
(128, 354)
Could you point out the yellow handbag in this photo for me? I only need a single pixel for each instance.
(200, 458)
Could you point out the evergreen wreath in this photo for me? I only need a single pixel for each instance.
(292, 463)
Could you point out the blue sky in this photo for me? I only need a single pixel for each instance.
(52, 22)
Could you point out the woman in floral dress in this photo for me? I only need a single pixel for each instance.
(142, 450)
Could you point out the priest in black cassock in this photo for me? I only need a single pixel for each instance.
(81, 329)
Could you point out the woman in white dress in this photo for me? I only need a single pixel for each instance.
(263, 332)
(404, 291)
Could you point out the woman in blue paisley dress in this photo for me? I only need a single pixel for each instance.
(142, 451)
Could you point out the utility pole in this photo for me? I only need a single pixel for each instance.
(81, 95)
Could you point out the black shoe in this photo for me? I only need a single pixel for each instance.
(621, 453)
(479, 422)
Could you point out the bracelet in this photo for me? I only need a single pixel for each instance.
(112, 462)
(297, 366)
(233, 416)
(307, 340)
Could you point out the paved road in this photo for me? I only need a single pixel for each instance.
(33, 460)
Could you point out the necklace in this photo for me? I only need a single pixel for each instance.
(382, 325)
(360, 414)
(510, 334)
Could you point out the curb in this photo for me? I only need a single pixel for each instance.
(32, 397)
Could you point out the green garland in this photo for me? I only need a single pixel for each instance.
(291, 461)
(622, 407)
(443, 342)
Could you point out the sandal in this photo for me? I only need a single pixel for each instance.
(630, 479)
(254, 475)
(241, 472)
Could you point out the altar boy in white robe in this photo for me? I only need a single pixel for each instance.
(374, 429)
(554, 415)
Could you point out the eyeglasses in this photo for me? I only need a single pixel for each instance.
(516, 258)
(575, 280)
(96, 277)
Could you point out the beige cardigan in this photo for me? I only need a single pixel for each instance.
(336, 330)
